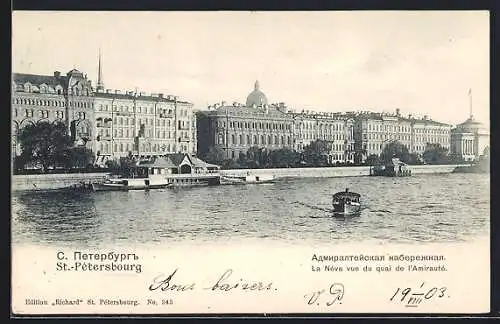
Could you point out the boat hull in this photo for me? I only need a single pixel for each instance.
(108, 187)
(231, 180)
(346, 209)
(249, 179)
(130, 184)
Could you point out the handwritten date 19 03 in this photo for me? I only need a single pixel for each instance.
(330, 296)
(413, 297)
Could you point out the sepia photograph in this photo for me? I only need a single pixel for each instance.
(250, 162)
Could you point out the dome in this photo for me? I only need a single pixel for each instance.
(256, 97)
(470, 125)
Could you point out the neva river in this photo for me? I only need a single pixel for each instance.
(422, 208)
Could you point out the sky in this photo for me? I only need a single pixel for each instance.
(422, 62)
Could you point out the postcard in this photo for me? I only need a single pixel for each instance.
(180, 163)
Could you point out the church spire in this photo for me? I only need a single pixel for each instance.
(100, 83)
(257, 85)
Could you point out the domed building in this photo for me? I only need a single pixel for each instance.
(469, 139)
(234, 128)
(256, 98)
(229, 131)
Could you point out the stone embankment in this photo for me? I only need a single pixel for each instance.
(53, 181)
(60, 181)
(355, 171)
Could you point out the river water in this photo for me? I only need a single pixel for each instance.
(422, 208)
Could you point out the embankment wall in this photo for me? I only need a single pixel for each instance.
(59, 181)
(355, 171)
(52, 181)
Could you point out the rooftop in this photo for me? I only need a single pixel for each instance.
(131, 95)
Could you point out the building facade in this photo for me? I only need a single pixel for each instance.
(53, 98)
(141, 125)
(469, 140)
(336, 129)
(233, 129)
(112, 124)
(426, 131)
(373, 131)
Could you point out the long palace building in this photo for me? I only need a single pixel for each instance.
(237, 127)
(111, 123)
(352, 136)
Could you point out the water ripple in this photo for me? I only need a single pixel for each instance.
(423, 208)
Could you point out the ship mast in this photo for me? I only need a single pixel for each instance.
(470, 103)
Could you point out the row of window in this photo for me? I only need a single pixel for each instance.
(389, 128)
(42, 113)
(28, 87)
(342, 157)
(105, 147)
(432, 131)
(331, 127)
(130, 121)
(142, 110)
(52, 103)
(376, 146)
(406, 129)
(434, 139)
(104, 133)
(253, 125)
(426, 139)
(247, 140)
(311, 136)
(38, 102)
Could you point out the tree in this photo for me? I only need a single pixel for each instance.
(395, 150)
(415, 159)
(372, 159)
(45, 143)
(254, 157)
(128, 165)
(435, 154)
(214, 155)
(316, 153)
(486, 151)
(79, 157)
(455, 158)
(284, 158)
(242, 160)
(113, 165)
(358, 155)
